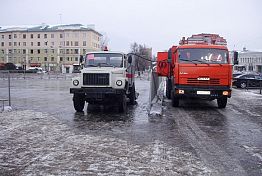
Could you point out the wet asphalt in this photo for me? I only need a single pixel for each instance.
(224, 141)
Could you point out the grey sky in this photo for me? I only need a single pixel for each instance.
(157, 23)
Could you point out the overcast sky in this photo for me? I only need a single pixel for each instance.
(156, 23)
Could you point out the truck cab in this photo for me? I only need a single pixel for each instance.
(106, 78)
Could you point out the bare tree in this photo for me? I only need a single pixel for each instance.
(143, 51)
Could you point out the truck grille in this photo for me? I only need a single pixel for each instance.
(212, 81)
(100, 79)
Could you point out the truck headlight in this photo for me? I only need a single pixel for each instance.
(119, 82)
(75, 82)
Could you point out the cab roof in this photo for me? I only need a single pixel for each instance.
(203, 46)
(105, 52)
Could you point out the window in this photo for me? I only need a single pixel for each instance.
(24, 51)
(76, 58)
(46, 43)
(3, 36)
(46, 51)
(9, 51)
(38, 59)
(15, 44)
(52, 59)
(76, 43)
(38, 43)
(45, 58)
(24, 36)
(84, 43)
(67, 51)
(67, 43)
(32, 43)
(2, 43)
(45, 35)
(9, 36)
(3, 51)
(52, 43)
(62, 43)
(15, 35)
(84, 35)
(32, 35)
(61, 58)
(38, 51)
(19, 44)
(76, 51)
(52, 35)
(10, 43)
(61, 35)
(52, 51)
(32, 51)
(72, 43)
(38, 35)
(67, 58)
(24, 43)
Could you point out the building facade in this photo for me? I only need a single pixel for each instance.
(249, 61)
(53, 48)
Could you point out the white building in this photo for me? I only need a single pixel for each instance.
(53, 48)
(249, 61)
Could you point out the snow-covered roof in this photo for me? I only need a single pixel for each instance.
(46, 27)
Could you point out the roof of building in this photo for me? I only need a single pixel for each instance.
(48, 28)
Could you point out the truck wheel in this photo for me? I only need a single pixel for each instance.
(132, 95)
(79, 102)
(122, 104)
(222, 102)
(175, 100)
(168, 88)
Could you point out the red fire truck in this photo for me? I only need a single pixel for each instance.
(198, 67)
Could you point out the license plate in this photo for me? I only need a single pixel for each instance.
(203, 92)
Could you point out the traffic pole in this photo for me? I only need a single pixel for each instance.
(9, 89)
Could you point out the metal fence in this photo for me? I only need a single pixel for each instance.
(4, 75)
(248, 86)
(157, 85)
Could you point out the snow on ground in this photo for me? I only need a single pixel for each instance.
(34, 143)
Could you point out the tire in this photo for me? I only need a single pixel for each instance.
(132, 95)
(243, 85)
(122, 104)
(175, 100)
(222, 102)
(168, 88)
(79, 102)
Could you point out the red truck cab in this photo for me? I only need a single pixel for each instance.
(197, 69)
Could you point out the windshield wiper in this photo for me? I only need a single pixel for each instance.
(201, 61)
(91, 65)
(188, 60)
(110, 65)
(217, 62)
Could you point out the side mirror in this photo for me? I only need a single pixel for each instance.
(81, 59)
(235, 58)
(129, 59)
(169, 57)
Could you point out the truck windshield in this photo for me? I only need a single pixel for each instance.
(203, 56)
(104, 60)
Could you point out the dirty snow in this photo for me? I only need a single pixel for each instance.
(35, 143)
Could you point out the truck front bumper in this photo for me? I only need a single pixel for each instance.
(103, 95)
(207, 92)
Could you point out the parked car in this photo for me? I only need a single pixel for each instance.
(247, 80)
